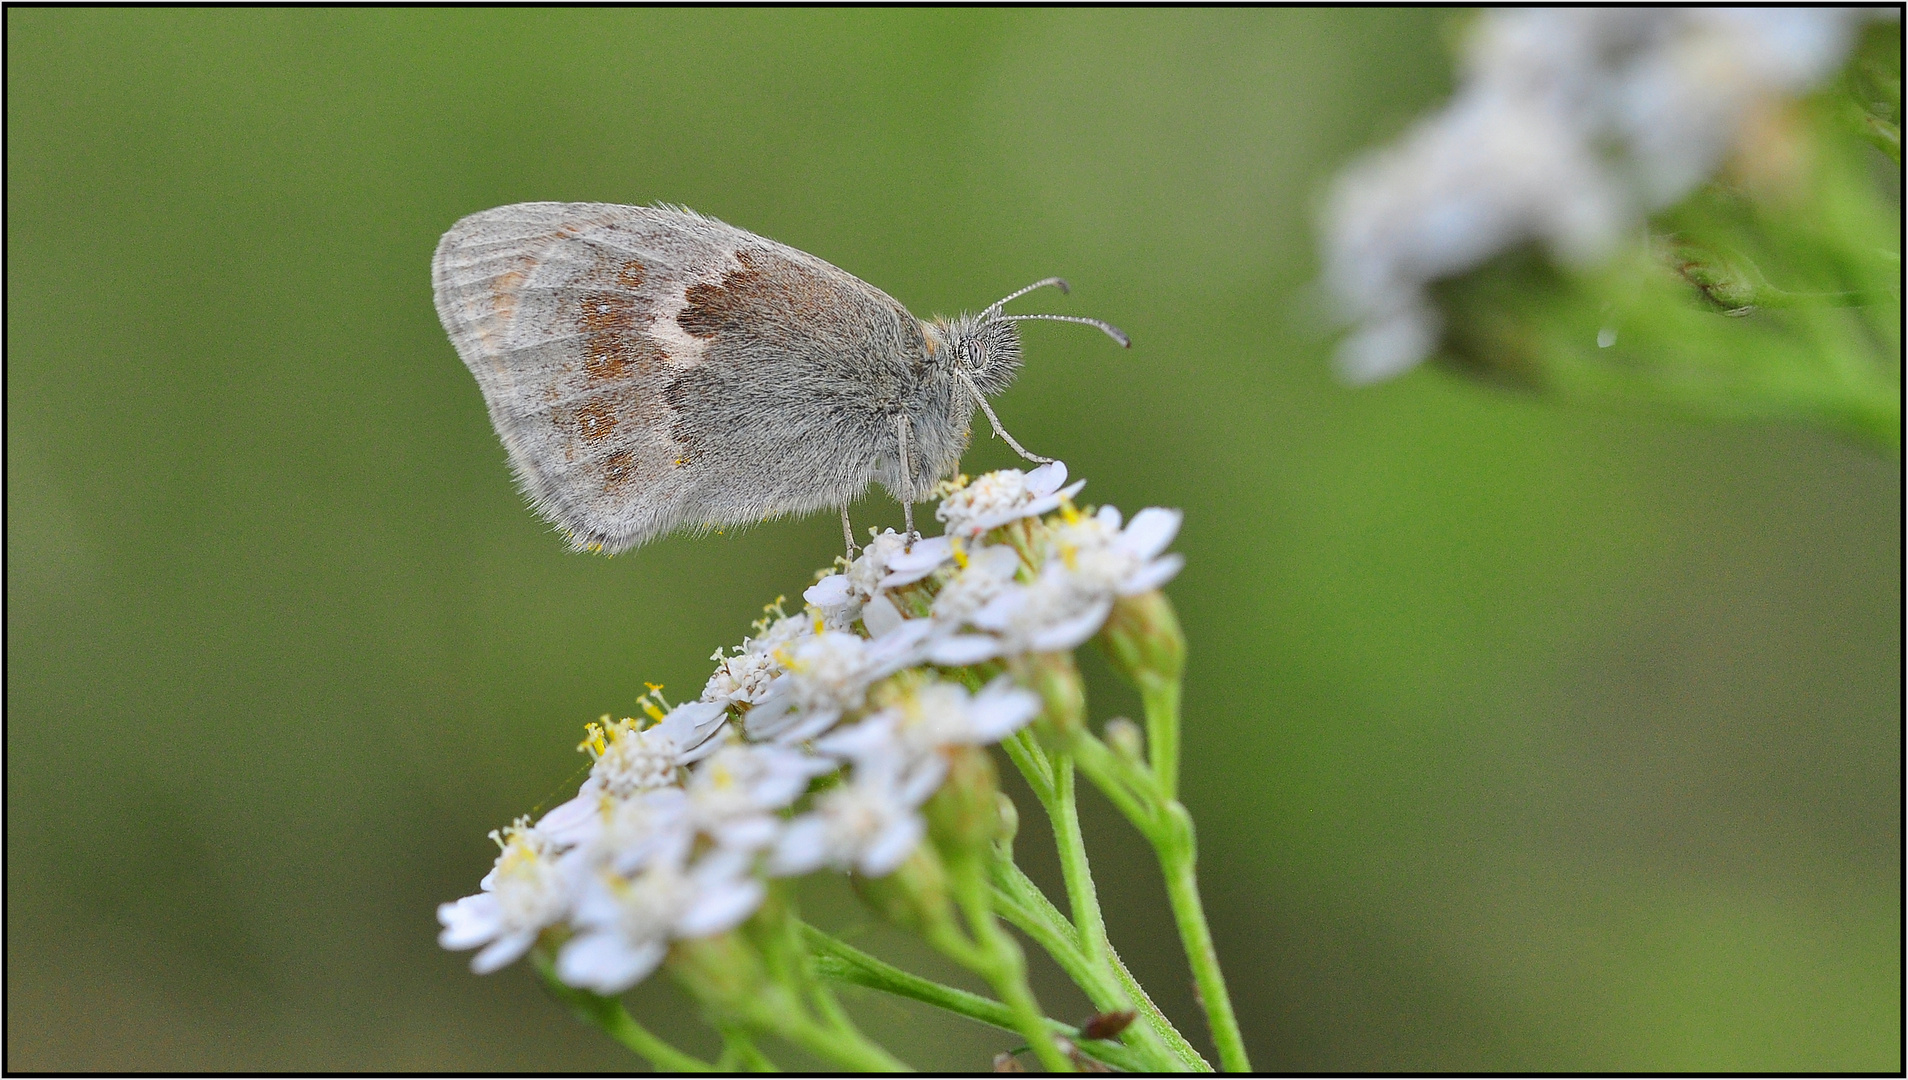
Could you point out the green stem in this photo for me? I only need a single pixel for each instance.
(1160, 698)
(1067, 838)
(1186, 1052)
(1088, 922)
(1176, 861)
(1032, 762)
(1022, 903)
(1169, 828)
(838, 960)
(739, 1050)
(1096, 970)
(793, 966)
(997, 958)
(609, 1015)
(1130, 787)
(792, 944)
(826, 1042)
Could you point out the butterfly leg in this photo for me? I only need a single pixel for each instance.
(981, 400)
(848, 534)
(903, 429)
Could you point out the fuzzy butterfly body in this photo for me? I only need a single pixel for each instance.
(650, 368)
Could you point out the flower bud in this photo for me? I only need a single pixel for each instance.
(1056, 679)
(723, 969)
(964, 815)
(914, 896)
(1124, 737)
(1008, 822)
(1143, 640)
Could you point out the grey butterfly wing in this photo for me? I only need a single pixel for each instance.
(649, 368)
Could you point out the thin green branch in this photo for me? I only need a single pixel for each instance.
(1160, 698)
(608, 1014)
(1090, 925)
(1022, 903)
(1142, 1001)
(996, 957)
(1032, 762)
(1133, 790)
(1176, 860)
(835, 1037)
(836, 959)
(739, 1051)
(826, 1042)
(1168, 828)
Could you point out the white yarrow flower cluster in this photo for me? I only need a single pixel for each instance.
(1568, 126)
(1008, 495)
(845, 721)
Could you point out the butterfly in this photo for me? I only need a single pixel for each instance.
(651, 368)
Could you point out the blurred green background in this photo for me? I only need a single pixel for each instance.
(1519, 737)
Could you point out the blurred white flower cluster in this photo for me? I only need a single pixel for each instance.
(1568, 126)
(817, 741)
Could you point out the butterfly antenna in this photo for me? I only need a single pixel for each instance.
(1058, 283)
(1108, 328)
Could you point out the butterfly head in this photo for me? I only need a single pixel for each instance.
(984, 349)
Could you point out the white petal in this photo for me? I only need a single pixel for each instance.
(924, 779)
(778, 789)
(573, 822)
(783, 766)
(831, 591)
(709, 746)
(996, 560)
(721, 908)
(748, 834)
(809, 726)
(998, 613)
(1046, 479)
(470, 922)
(803, 847)
(917, 562)
(895, 650)
(892, 847)
(1001, 710)
(595, 905)
(870, 738)
(963, 649)
(1152, 529)
(1069, 633)
(502, 951)
(693, 721)
(606, 962)
(880, 616)
(773, 715)
(1109, 516)
(1152, 575)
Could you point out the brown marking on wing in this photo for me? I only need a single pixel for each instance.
(712, 308)
(614, 343)
(504, 291)
(595, 420)
(619, 471)
(768, 296)
(621, 361)
(770, 318)
(607, 321)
